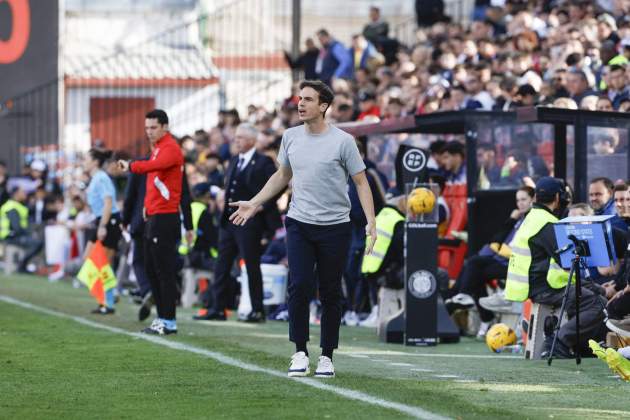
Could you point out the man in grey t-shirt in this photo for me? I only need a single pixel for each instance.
(319, 158)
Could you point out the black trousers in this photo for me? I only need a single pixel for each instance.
(234, 241)
(31, 246)
(472, 280)
(326, 247)
(161, 237)
(591, 313)
(139, 266)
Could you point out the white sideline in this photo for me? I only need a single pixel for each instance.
(230, 361)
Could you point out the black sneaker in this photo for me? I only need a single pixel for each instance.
(103, 310)
(254, 317)
(157, 328)
(145, 308)
(210, 316)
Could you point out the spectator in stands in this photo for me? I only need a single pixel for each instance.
(578, 85)
(368, 106)
(489, 171)
(453, 159)
(618, 88)
(363, 54)
(14, 228)
(429, 12)
(604, 104)
(620, 196)
(491, 263)
(525, 95)
(334, 61)
(534, 271)
(600, 193)
(377, 29)
(101, 197)
(306, 61)
(477, 95)
(213, 169)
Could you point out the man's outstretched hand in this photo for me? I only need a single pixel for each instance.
(370, 230)
(246, 210)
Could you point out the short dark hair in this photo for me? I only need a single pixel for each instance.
(323, 32)
(325, 93)
(100, 155)
(454, 148)
(159, 115)
(610, 186)
(437, 146)
(621, 187)
(528, 190)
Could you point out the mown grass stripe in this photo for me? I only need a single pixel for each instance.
(413, 411)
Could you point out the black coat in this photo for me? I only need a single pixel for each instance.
(252, 179)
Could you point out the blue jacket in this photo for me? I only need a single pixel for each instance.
(334, 61)
(609, 210)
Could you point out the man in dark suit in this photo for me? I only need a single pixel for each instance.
(247, 174)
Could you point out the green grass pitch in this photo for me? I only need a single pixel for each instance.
(52, 367)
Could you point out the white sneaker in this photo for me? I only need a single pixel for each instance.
(483, 329)
(325, 368)
(351, 319)
(56, 276)
(372, 320)
(463, 299)
(299, 365)
(496, 303)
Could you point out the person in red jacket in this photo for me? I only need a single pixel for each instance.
(164, 171)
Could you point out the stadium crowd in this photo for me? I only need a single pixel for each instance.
(514, 53)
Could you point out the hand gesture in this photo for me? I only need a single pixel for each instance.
(246, 210)
(370, 230)
(123, 165)
(190, 237)
(101, 233)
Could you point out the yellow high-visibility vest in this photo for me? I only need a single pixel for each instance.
(196, 209)
(5, 223)
(517, 283)
(386, 221)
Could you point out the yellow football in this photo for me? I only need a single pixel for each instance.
(421, 201)
(500, 335)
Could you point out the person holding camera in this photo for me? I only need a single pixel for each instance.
(534, 271)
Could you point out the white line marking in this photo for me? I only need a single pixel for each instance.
(363, 350)
(401, 364)
(230, 361)
(421, 370)
(445, 376)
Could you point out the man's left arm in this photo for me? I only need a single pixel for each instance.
(367, 203)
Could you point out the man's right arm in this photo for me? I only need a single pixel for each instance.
(278, 182)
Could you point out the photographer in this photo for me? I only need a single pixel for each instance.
(534, 271)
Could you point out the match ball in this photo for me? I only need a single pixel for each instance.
(499, 336)
(421, 201)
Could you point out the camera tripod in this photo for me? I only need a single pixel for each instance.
(580, 250)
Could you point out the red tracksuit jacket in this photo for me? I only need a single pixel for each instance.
(164, 176)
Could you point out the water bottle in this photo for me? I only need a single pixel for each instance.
(516, 348)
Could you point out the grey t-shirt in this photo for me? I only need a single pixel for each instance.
(321, 164)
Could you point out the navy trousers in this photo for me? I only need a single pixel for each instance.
(325, 247)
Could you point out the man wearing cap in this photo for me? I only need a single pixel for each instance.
(534, 271)
(368, 105)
